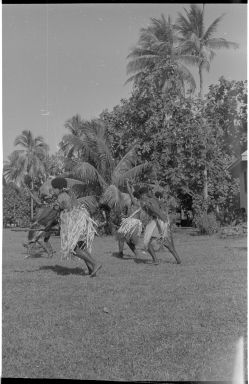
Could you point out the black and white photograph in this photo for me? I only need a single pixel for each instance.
(124, 192)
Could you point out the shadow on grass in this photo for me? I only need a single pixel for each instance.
(150, 262)
(124, 257)
(62, 271)
(142, 261)
(35, 255)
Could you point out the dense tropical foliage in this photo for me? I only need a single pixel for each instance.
(161, 134)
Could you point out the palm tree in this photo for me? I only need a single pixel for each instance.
(157, 44)
(93, 164)
(197, 44)
(88, 143)
(30, 160)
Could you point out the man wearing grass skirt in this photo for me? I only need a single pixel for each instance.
(131, 226)
(77, 227)
(159, 225)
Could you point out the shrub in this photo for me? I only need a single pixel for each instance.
(206, 223)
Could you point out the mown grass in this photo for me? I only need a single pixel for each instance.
(134, 321)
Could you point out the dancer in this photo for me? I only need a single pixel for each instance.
(131, 227)
(46, 219)
(77, 227)
(159, 225)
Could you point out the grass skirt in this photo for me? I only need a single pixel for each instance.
(130, 230)
(157, 229)
(76, 225)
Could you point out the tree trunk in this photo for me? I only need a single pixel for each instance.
(31, 203)
(205, 179)
(205, 188)
(201, 82)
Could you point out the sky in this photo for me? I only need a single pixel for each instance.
(59, 60)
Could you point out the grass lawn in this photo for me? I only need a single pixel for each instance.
(134, 321)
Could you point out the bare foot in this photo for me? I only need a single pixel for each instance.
(95, 270)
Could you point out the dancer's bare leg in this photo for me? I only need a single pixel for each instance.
(152, 253)
(121, 247)
(133, 248)
(89, 260)
(169, 243)
(48, 247)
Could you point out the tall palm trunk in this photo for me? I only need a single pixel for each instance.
(31, 203)
(205, 173)
(201, 82)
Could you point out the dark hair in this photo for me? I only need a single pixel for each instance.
(158, 194)
(59, 182)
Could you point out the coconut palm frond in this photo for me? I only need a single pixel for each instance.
(102, 153)
(71, 182)
(134, 174)
(126, 163)
(212, 28)
(182, 24)
(111, 196)
(16, 167)
(185, 47)
(187, 76)
(88, 173)
(39, 140)
(140, 63)
(190, 59)
(140, 52)
(206, 55)
(115, 199)
(99, 149)
(25, 139)
(219, 43)
(74, 125)
(79, 146)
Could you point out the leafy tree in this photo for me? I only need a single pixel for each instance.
(227, 101)
(182, 137)
(56, 164)
(15, 205)
(197, 45)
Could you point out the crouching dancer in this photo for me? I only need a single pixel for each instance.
(77, 227)
(159, 225)
(41, 230)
